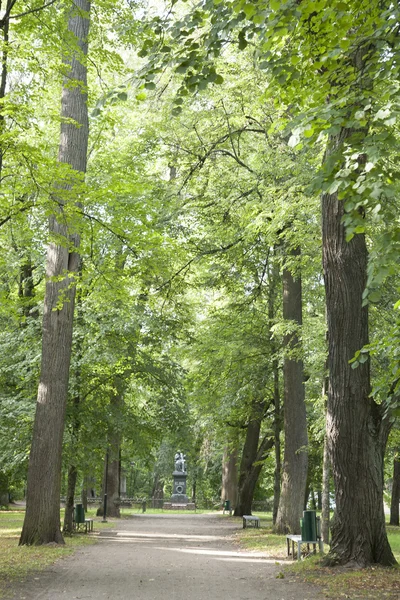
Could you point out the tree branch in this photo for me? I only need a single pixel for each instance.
(28, 12)
(198, 257)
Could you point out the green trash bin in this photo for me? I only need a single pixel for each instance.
(79, 514)
(227, 505)
(309, 526)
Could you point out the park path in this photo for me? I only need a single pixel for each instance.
(165, 557)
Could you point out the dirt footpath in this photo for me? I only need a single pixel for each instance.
(165, 557)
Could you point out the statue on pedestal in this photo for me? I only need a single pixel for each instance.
(180, 462)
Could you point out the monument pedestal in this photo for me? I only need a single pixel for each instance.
(179, 488)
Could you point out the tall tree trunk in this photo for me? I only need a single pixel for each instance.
(229, 489)
(42, 518)
(395, 500)
(295, 459)
(254, 453)
(357, 427)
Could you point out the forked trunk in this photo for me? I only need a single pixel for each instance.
(254, 454)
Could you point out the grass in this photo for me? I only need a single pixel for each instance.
(16, 562)
(339, 582)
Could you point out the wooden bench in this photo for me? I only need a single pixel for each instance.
(291, 540)
(251, 521)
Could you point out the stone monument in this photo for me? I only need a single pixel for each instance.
(179, 488)
(179, 498)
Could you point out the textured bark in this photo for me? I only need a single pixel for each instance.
(42, 518)
(254, 453)
(395, 500)
(229, 489)
(295, 459)
(357, 427)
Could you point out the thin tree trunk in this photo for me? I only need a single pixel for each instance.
(84, 493)
(273, 279)
(3, 76)
(42, 518)
(295, 460)
(326, 473)
(395, 500)
(112, 470)
(70, 501)
(357, 427)
(325, 515)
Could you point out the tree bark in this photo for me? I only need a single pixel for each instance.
(42, 518)
(357, 427)
(395, 499)
(295, 459)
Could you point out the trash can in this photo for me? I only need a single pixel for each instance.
(79, 513)
(227, 505)
(309, 526)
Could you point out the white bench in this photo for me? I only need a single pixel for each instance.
(251, 521)
(291, 540)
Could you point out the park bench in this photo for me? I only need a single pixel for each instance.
(251, 521)
(291, 540)
(79, 520)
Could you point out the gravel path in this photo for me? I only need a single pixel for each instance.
(165, 557)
